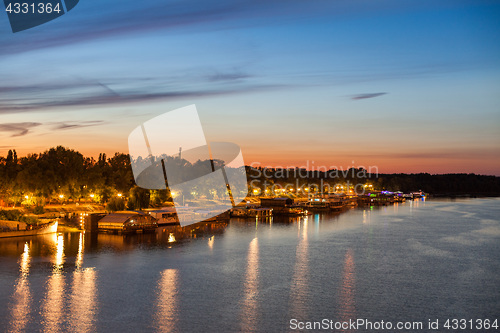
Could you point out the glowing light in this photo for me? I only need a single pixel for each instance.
(26, 197)
(92, 195)
(119, 195)
(171, 238)
(61, 196)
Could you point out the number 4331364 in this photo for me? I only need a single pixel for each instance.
(464, 324)
(32, 8)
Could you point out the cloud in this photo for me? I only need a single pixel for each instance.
(67, 94)
(21, 129)
(227, 76)
(74, 125)
(369, 95)
(18, 129)
(121, 17)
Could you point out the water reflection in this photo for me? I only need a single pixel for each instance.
(299, 290)
(347, 306)
(211, 243)
(79, 255)
(83, 294)
(52, 307)
(166, 316)
(251, 289)
(22, 295)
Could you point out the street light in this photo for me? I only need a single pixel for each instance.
(61, 196)
(119, 195)
(92, 195)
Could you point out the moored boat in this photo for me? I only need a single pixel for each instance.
(43, 229)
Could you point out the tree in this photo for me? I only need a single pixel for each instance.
(139, 198)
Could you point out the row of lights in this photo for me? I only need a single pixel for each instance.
(61, 196)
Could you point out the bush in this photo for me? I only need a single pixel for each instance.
(38, 210)
(10, 215)
(29, 220)
(115, 204)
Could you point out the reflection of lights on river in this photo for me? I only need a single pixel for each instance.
(59, 252)
(211, 242)
(83, 300)
(251, 288)
(166, 315)
(52, 307)
(21, 297)
(25, 260)
(79, 256)
(300, 281)
(171, 238)
(347, 301)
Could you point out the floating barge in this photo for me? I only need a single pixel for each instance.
(282, 206)
(127, 222)
(251, 212)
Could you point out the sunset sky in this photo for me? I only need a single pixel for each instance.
(407, 86)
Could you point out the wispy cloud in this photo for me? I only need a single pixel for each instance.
(18, 129)
(67, 94)
(24, 128)
(74, 124)
(369, 95)
(121, 17)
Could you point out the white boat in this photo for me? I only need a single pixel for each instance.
(48, 228)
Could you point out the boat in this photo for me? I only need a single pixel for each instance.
(127, 221)
(165, 216)
(316, 205)
(48, 228)
(251, 212)
(282, 206)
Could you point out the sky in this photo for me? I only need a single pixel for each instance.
(402, 86)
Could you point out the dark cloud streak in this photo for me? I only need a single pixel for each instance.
(369, 95)
(18, 129)
(73, 125)
(59, 96)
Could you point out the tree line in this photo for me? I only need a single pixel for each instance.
(60, 175)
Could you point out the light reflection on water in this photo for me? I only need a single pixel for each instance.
(251, 288)
(21, 298)
(166, 304)
(299, 290)
(83, 294)
(347, 302)
(257, 275)
(52, 306)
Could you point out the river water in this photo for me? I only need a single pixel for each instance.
(415, 262)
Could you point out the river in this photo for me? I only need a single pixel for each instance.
(411, 262)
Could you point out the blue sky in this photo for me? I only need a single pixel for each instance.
(407, 86)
